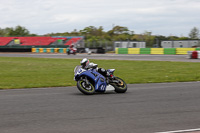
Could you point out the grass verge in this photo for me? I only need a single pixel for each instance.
(19, 72)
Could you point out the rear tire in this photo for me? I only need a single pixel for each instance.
(120, 87)
(87, 90)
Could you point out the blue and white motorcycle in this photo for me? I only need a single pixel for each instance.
(90, 81)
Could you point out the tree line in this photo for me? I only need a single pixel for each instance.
(97, 35)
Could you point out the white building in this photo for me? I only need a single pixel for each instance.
(129, 44)
(180, 44)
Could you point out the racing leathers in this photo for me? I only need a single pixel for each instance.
(102, 71)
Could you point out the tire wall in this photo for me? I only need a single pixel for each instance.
(160, 51)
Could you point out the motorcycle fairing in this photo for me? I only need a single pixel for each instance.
(98, 79)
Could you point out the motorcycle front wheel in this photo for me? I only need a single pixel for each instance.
(121, 86)
(87, 89)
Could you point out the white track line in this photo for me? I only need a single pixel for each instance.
(181, 131)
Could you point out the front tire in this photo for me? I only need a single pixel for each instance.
(120, 87)
(85, 89)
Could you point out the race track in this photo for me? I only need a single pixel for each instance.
(145, 108)
(182, 58)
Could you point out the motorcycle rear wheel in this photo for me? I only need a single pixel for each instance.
(120, 87)
(85, 89)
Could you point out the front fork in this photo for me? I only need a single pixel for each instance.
(86, 81)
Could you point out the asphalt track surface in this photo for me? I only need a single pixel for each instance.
(182, 58)
(145, 108)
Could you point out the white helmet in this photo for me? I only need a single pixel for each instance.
(85, 63)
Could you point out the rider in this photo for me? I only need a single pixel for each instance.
(85, 63)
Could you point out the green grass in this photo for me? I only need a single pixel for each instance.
(17, 72)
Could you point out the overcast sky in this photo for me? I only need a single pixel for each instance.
(161, 17)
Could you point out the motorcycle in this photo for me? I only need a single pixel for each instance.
(71, 51)
(91, 81)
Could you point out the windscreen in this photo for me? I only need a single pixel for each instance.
(76, 69)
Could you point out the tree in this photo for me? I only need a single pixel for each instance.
(118, 30)
(91, 30)
(194, 33)
(120, 33)
(2, 32)
(148, 38)
(17, 31)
